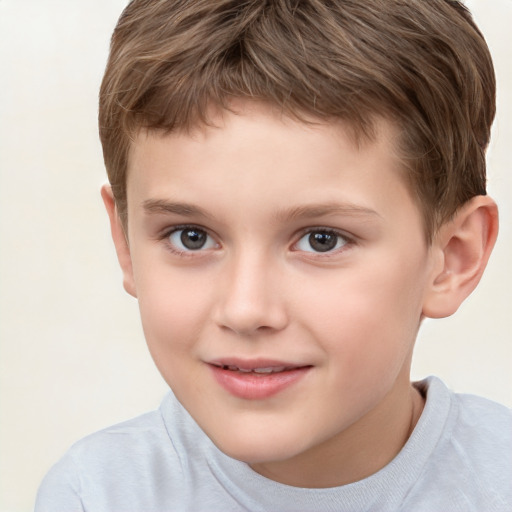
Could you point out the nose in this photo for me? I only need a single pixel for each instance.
(251, 299)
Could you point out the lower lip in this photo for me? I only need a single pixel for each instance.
(253, 386)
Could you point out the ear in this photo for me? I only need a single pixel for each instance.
(461, 249)
(120, 239)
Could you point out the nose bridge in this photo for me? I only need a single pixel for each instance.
(252, 296)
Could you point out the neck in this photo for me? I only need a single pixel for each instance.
(357, 452)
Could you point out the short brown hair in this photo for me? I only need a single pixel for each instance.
(423, 64)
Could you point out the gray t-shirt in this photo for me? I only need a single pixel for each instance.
(459, 458)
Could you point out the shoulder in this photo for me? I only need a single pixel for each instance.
(468, 416)
(476, 412)
(119, 444)
(471, 463)
(482, 437)
(119, 464)
(482, 429)
(122, 440)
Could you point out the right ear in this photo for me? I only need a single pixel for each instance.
(120, 239)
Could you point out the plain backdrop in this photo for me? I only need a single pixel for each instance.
(72, 354)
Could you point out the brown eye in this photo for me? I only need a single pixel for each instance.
(191, 239)
(321, 241)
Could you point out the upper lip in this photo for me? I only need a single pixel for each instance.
(252, 364)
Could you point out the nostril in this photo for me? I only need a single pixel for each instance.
(247, 307)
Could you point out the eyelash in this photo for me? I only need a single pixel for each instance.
(347, 241)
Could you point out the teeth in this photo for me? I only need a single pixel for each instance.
(269, 370)
(274, 369)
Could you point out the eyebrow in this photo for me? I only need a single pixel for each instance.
(162, 206)
(323, 210)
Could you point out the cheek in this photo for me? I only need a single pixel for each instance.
(172, 322)
(173, 310)
(369, 318)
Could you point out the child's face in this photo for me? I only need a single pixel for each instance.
(265, 242)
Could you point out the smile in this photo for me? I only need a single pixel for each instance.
(256, 381)
(270, 369)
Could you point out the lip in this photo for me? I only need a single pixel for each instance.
(256, 386)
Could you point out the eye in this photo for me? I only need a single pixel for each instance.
(321, 240)
(191, 239)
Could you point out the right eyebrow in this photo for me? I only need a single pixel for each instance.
(159, 206)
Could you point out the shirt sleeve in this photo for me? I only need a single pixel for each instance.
(60, 489)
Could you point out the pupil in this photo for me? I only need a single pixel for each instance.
(193, 238)
(322, 242)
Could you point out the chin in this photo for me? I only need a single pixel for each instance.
(259, 449)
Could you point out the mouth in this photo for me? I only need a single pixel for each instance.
(258, 370)
(257, 380)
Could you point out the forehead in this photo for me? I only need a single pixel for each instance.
(256, 152)
(259, 122)
(258, 116)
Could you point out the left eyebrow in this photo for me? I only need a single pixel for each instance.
(322, 210)
(176, 208)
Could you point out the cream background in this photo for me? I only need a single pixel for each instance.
(72, 356)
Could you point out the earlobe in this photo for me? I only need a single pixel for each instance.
(120, 240)
(461, 249)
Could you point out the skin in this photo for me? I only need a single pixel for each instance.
(258, 184)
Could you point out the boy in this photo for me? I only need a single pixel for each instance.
(294, 186)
